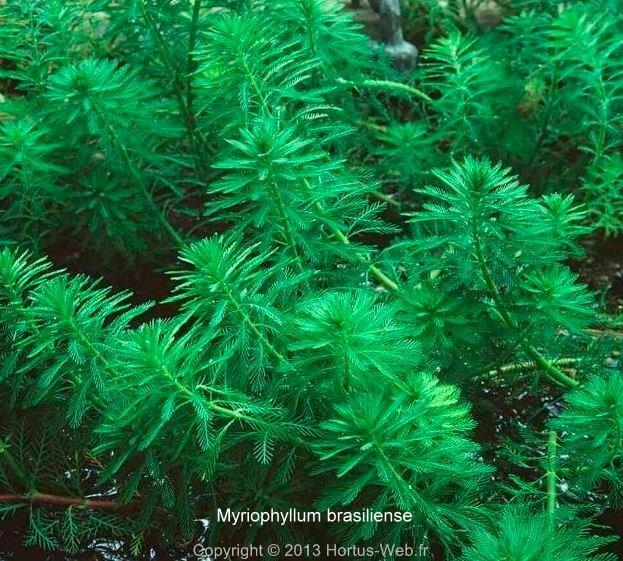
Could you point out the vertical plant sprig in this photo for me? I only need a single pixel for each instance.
(592, 443)
(175, 392)
(519, 533)
(28, 172)
(182, 78)
(229, 288)
(403, 447)
(63, 331)
(490, 234)
(592, 75)
(467, 83)
(126, 116)
(37, 37)
(279, 186)
(345, 341)
(593, 78)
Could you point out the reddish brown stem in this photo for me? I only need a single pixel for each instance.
(58, 500)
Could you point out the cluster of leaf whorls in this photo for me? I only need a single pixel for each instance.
(541, 91)
(320, 355)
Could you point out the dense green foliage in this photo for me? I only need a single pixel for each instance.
(350, 255)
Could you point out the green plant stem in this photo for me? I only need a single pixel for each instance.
(386, 198)
(16, 470)
(530, 365)
(387, 85)
(399, 478)
(249, 322)
(374, 270)
(383, 278)
(32, 326)
(546, 119)
(596, 332)
(372, 126)
(252, 81)
(550, 369)
(185, 105)
(234, 415)
(121, 149)
(602, 97)
(551, 473)
(276, 196)
(86, 343)
(211, 405)
(191, 66)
